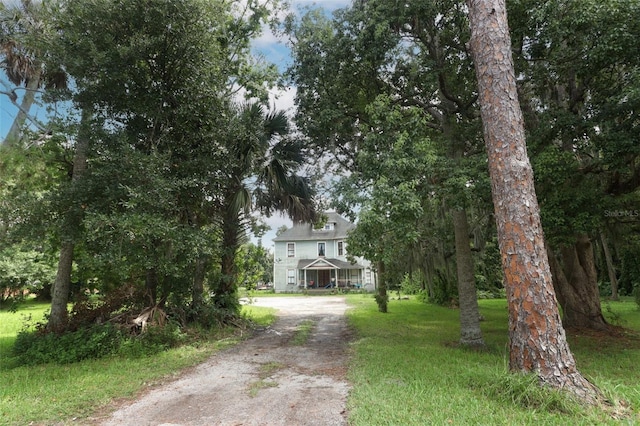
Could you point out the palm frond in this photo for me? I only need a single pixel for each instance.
(241, 201)
(276, 123)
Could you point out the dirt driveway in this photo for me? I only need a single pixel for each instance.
(266, 380)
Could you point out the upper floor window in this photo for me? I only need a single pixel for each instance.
(340, 248)
(329, 226)
(291, 249)
(321, 249)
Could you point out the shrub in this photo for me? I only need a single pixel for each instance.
(411, 284)
(155, 339)
(33, 348)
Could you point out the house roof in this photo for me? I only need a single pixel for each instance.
(323, 263)
(305, 231)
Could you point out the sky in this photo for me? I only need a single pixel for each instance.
(273, 49)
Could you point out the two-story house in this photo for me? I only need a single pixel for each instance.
(309, 258)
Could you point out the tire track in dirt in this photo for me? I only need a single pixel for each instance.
(264, 380)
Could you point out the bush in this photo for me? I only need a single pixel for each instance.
(411, 284)
(33, 348)
(155, 339)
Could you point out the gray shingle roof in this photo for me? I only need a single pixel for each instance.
(305, 231)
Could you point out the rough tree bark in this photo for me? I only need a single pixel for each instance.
(470, 333)
(537, 340)
(226, 292)
(611, 270)
(575, 281)
(72, 222)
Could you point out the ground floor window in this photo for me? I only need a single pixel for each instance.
(291, 276)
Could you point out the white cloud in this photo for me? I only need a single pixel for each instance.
(283, 100)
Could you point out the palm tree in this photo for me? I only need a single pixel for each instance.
(262, 175)
(21, 29)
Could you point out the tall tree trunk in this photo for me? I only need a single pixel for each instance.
(576, 284)
(226, 292)
(151, 286)
(382, 298)
(197, 288)
(58, 317)
(13, 137)
(72, 222)
(611, 270)
(470, 333)
(537, 340)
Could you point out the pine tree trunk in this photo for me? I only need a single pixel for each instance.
(72, 222)
(470, 333)
(611, 270)
(537, 340)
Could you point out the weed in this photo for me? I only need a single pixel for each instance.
(265, 371)
(302, 334)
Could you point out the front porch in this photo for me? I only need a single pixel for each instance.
(330, 275)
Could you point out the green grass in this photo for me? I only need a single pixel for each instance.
(302, 333)
(58, 393)
(265, 371)
(407, 369)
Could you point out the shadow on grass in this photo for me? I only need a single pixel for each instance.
(7, 360)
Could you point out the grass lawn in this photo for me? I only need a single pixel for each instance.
(52, 393)
(407, 369)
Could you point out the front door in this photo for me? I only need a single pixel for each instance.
(324, 277)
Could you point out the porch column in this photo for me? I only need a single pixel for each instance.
(305, 279)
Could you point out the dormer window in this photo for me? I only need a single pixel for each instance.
(329, 226)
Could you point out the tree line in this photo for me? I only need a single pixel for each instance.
(162, 149)
(147, 179)
(415, 100)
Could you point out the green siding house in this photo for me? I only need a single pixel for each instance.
(307, 258)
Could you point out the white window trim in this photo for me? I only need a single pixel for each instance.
(291, 276)
(344, 248)
(294, 249)
(318, 248)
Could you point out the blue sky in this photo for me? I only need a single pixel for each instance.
(273, 49)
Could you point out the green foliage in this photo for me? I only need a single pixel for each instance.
(254, 265)
(629, 280)
(221, 311)
(411, 284)
(34, 347)
(302, 333)
(382, 299)
(23, 270)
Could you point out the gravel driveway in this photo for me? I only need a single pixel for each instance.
(265, 380)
